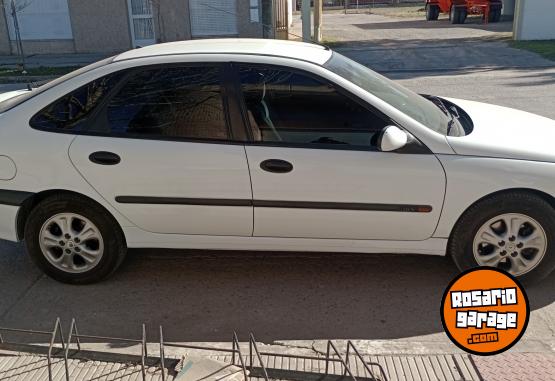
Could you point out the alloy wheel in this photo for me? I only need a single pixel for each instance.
(512, 242)
(71, 243)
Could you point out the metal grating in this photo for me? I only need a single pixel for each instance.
(28, 367)
(65, 359)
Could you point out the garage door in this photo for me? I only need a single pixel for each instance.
(213, 17)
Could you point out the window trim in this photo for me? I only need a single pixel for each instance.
(415, 146)
(234, 125)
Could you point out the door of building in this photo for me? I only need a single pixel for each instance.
(142, 23)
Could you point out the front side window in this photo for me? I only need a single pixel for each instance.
(72, 111)
(294, 108)
(174, 102)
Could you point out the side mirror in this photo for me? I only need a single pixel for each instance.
(392, 139)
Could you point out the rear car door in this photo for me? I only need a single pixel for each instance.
(316, 170)
(161, 150)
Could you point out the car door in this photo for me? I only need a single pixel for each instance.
(161, 150)
(315, 168)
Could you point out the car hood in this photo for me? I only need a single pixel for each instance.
(505, 133)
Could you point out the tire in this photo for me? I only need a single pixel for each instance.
(102, 246)
(457, 15)
(495, 14)
(432, 12)
(465, 247)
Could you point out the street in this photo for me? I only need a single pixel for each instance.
(205, 296)
(296, 297)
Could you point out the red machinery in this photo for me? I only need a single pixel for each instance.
(459, 9)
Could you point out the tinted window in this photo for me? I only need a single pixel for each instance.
(16, 101)
(71, 112)
(182, 102)
(293, 108)
(412, 104)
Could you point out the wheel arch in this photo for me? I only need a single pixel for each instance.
(541, 194)
(32, 202)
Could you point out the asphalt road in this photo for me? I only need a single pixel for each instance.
(204, 296)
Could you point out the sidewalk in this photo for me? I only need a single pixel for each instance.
(280, 363)
(51, 60)
(395, 44)
(41, 61)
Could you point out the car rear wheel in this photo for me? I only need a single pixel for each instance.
(514, 232)
(432, 12)
(73, 240)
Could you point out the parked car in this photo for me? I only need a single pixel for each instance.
(267, 145)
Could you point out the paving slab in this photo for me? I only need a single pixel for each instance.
(521, 367)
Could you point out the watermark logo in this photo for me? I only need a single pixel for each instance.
(485, 311)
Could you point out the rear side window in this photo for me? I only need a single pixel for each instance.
(174, 102)
(16, 101)
(72, 111)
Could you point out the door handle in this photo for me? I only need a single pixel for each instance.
(276, 166)
(104, 158)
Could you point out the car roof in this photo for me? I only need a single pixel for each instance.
(266, 47)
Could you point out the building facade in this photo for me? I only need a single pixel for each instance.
(109, 26)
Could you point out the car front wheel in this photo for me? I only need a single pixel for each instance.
(74, 240)
(514, 232)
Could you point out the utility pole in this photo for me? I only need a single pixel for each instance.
(318, 10)
(18, 35)
(305, 12)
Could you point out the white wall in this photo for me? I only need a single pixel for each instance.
(535, 20)
(508, 7)
(290, 7)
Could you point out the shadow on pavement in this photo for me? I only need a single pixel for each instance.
(205, 296)
(418, 57)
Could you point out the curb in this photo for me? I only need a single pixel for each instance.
(26, 79)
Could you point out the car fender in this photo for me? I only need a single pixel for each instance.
(471, 178)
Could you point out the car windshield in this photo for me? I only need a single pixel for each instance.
(10, 103)
(410, 103)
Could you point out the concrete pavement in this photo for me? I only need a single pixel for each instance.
(293, 299)
(390, 45)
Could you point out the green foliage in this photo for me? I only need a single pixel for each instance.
(545, 48)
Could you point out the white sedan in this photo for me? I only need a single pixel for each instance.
(268, 145)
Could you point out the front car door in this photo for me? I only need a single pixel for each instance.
(160, 148)
(315, 168)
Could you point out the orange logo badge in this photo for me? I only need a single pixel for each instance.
(485, 311)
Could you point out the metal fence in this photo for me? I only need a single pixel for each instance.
(363, 3)
(350, 364)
